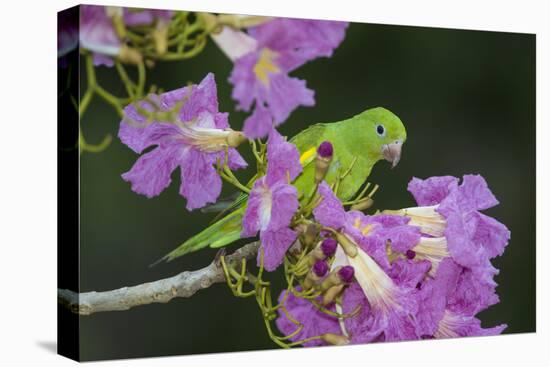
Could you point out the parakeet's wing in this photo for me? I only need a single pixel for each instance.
(309, 138)
(222, 204)
(230, 206)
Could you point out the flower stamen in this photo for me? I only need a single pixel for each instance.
(266, 66)
(432, 249)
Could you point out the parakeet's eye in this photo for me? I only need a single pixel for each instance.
(380, 130)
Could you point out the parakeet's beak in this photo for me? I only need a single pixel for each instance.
(392, 152)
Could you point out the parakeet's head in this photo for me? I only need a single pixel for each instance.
(384, 134)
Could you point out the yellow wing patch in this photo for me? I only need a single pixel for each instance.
(308, 156)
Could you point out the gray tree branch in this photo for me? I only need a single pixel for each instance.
(184, 284)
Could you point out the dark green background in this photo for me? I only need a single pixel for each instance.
(467, 99)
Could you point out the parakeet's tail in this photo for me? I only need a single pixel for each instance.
(221, 233)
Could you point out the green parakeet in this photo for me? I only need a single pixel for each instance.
(359, 142)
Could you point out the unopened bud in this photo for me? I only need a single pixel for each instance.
(237, 22)
(211, 22)
(160, 38)
(252, 21)
(340, 275)
(410, 254)
(363, 204)
(129, 55)
(310, 233)
(325, 153)
(296, 248)
(235, 138)
(328, 246)
(346, 273)
(335, 339)
(319, 270)
(349, 247)
(314, 255)
(114, 11)
(116, 14)
(330, 295)
(229, 20)
(325, 150)
(332, 280)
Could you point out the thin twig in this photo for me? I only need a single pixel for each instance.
(183, 285)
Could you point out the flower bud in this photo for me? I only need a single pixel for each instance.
(211, 22)
(325, 150)
(116, 14)
(332, 280)
(335, 339)
(330, 295)
(310, 234)
(160, 38)
(318, 253)
(296, 248)
(319, 270)
(363, 204)
(328, 246)
(349, 247)
(340, 275)
(129, 55)
(120, 28)
(114, 11)
(325, 153)
(239, 22)
(346, 273)
(235, 138)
